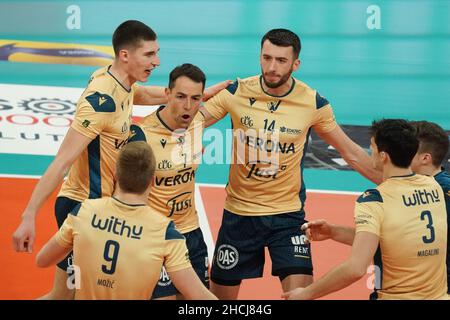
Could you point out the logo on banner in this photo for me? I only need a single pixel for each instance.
(49, 106)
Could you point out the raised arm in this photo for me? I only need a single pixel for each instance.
(209, 119)
(352, 153)
(155, 95)
(149, 95)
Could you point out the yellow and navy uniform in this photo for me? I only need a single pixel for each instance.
(408, 215)
(443, 178)
(178, 155)
(104, 115)
(271, 184)
(119, 248)
(172, 194)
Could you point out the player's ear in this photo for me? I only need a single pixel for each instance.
(296, 65)
(167, 92)
(426, 158)
(123, 55)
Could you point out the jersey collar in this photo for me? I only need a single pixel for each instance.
(284, 95)
(128, 204)
(161, 120)
(404, 176)
(117, 80)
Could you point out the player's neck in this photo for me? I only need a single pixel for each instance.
(389, 170)
(279, 91)
(121, 75)
(167, 118)
(428, 170)
(432, 171)
(130, 198)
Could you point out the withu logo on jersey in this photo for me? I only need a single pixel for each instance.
(227, 257)
(117, 226)
(421, 197)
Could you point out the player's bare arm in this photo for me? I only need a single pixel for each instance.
(149, 95)
(215, 89)
(352, 153)
(209, 119)
(73, 145)
(51, 254)
(155, 95)
(190, 286)
(319, 230)
(350, 271)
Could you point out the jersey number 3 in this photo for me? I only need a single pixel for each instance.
(111, 257)
(423, 215)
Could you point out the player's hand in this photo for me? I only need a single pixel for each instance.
(317, 230)
(23, 237)
(213, 90)
(296, 294)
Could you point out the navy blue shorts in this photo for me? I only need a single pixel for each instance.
(198, 254)
(239, 252)
(63, 206)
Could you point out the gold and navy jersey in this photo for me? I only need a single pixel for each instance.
(119, 248)
(178, 155)
(443, 178)
(104, 115)
(270, 140)
(408, 215)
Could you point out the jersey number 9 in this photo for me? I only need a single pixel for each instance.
(113, 246)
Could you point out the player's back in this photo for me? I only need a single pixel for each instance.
(119, 249)
(413, 239)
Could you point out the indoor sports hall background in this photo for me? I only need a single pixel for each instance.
(370, 59)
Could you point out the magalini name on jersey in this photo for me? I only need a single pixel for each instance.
(428, 252)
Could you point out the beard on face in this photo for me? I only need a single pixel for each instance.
(274, 85)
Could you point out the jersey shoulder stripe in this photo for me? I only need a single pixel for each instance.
(320, 101)
(172, 233)
(370, 195)
(136, 134)
(232, 88)
(101, 102)
(75, 210)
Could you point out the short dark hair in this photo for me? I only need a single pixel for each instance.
(135, 167)
(397, 138)
(130, 33)
(188, 70)
(283, 38)
(432, 139)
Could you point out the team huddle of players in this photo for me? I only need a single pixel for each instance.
(127, 207)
